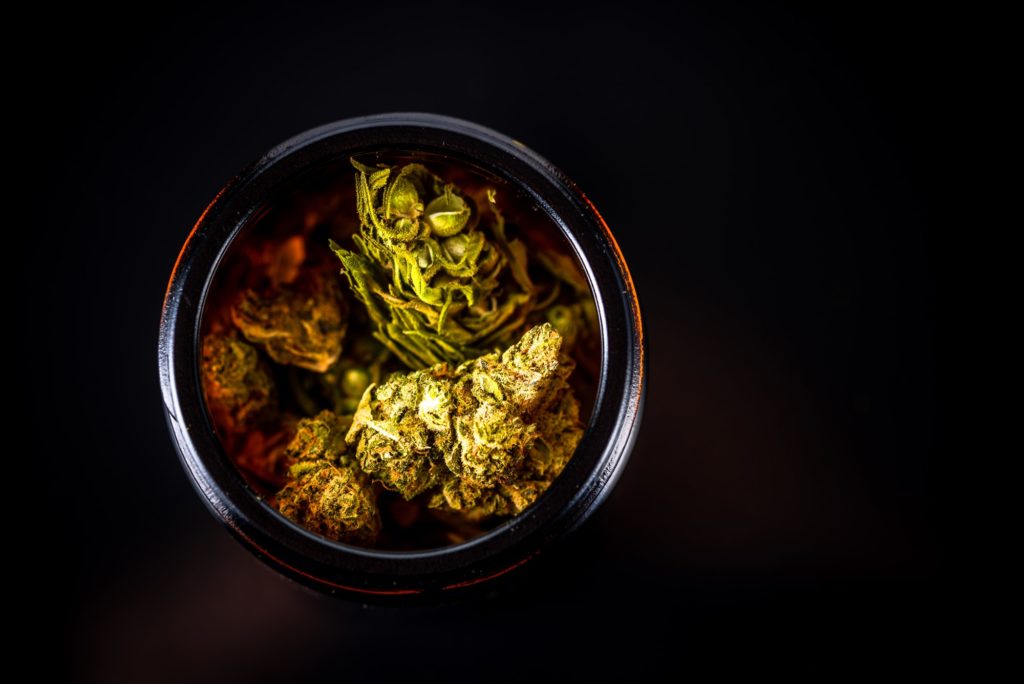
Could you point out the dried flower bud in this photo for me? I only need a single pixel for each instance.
(321, 438)
(439, 284)
(236, 381)
(301, 324)
(487, 437)
(396, 447)
(335, 501)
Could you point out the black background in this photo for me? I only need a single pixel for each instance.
(768, 173)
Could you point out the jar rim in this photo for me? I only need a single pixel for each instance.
(337, 567)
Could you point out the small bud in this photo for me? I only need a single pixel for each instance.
(335, 501)
(301, 324)
(321, 438)
(237, 382)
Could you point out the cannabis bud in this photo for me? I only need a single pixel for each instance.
(327, 493)
(301, 324)
(236, 381)
(487, 437)
(336, 501)
(321, 438)
(440, 281)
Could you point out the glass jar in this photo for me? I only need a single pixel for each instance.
(343, 569)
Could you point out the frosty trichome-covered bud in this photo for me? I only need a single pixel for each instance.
(327, 493)
(320, 438)
(335, 501)
(487, 437)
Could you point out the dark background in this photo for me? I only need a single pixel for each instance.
(769, 175)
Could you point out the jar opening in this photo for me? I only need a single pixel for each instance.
(614, 411)
(291, 346)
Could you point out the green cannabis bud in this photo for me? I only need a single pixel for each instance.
(301, 324)
(237, 382)
(440, 280)
(335, 501)
(327, 494)
(320, 438)
(487, 437)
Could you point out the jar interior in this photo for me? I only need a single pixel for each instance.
(289, 237)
